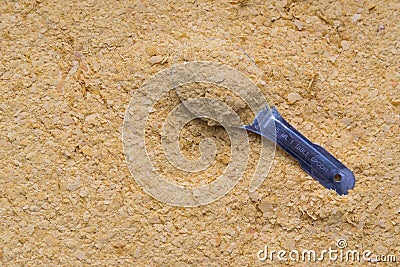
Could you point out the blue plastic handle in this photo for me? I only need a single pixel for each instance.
(313, 159)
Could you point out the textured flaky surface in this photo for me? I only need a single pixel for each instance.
(69, 68)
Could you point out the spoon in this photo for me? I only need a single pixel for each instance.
(313, 159)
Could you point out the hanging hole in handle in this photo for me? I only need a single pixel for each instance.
(337, 177)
